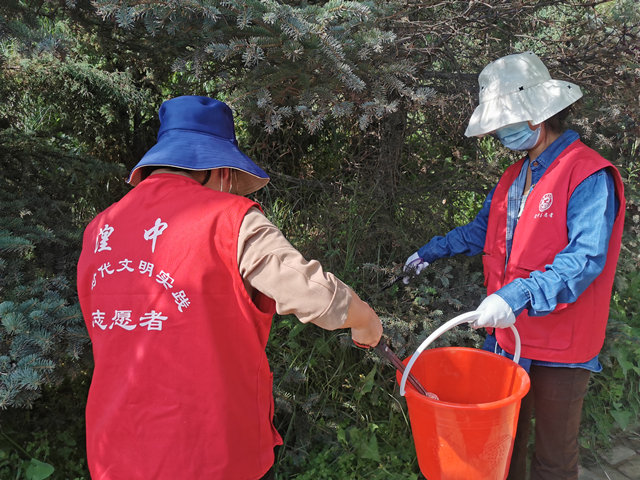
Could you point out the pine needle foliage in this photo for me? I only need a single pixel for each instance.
(46, 196)
(311, 58)
(58, 81)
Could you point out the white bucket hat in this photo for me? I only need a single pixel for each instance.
(518, 88)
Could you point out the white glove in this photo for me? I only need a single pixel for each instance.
(494, 312)
(413, 264)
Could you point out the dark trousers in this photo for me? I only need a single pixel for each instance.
(555, 399)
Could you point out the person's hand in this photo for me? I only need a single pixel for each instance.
(366, 328)
(494, 313)
(414, 264)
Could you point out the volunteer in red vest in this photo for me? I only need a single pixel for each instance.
(178, 282)
(550, 231)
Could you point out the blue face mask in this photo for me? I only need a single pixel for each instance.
(518, 136)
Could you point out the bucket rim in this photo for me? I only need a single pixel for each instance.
(519, 394)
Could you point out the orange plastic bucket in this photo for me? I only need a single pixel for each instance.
(468, 433)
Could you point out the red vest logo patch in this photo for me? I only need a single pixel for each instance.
(545, 202)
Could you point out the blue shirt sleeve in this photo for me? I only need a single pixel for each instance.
(467, 239)
(591, 213)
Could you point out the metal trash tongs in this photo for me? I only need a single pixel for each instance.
(383, 349)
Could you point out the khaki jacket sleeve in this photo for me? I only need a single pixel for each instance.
(270, 264)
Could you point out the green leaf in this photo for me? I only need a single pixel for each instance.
(38, 470)
(295, 331)
(342, 435)
(367, 384)
(622, 417)
(369, 449)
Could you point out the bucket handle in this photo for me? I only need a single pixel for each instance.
(454, 322)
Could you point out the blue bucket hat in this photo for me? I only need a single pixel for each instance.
(197, 133)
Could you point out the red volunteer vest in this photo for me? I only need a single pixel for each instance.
(181, 388)
(572, 333)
